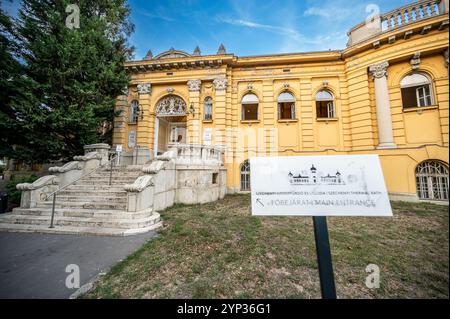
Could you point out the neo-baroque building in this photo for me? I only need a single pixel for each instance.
(386, 93)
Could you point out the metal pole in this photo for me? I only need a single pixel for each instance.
(326, 275)
(110, 171)
(53, 211)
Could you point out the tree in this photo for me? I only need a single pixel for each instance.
(71, 75)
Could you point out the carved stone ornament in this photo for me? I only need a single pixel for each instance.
(170, 90)
(415, 61)
(194, 85)
(249, 86)
(379, 70)
(220, 83)
(144, 88)
(171, 105)
(286, 86)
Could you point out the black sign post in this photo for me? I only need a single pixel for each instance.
(326, 275)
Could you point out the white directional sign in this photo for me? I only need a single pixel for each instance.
(331, 185)
(132, 139)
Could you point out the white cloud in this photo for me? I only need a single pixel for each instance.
(255, 25)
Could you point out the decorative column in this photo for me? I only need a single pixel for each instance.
(220, 88)
(384, 120)
(193, 111)
(143, 124)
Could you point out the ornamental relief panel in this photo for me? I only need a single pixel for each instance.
(171, 105)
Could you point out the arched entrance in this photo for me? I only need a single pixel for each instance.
(432, 180)
(170, 123)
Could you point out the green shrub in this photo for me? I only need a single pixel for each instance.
(13, 192)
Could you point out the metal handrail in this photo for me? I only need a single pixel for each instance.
(110, 161)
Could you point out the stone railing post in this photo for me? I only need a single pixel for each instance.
(383, 105)
(101, 148)
(33, 193)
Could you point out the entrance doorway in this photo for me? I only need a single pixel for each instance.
(171, 130)
(170, 123)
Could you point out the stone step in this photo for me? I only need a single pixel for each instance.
(73, 230)
(86, 204)
(80, 212)
(89, 197)
(92, 192)
(115, 173)
(104, 222)
(114, 183)
(93, 187)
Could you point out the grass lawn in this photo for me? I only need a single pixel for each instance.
(219, 250)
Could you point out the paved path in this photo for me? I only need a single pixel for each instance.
(34, 265)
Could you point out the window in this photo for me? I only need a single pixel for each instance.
(416, 90)
(432, 180)
(286, 106)
(214, 178)
(250, 104)
(245, 176)
(134, 111)
(325, 104)
(208, 108)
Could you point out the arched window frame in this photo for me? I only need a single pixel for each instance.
(432, 180)
(415, 92)
(134, 111)
(208, 109)
(325, 106)
(244, 171)
(250, 107)
(286, 105)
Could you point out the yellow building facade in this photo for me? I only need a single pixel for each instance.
(386, 93)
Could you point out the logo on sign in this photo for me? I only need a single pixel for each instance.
(315, 177)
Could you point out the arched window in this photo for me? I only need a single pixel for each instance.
(416, 90)
(250, 104)
(245, 176)
(208, 105)
(286, 106)
(134, 111)
(432, 180)
(325, 104)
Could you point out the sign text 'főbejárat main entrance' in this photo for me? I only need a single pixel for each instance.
(333, 185)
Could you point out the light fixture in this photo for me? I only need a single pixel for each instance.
(192, 109)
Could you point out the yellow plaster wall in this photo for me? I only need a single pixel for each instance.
(419, 135)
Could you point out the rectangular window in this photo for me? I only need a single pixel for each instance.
(330, 110)
(249, 112)
(325, 109)
(214, 178)
(416, 96)
(286, 111)
(208, 112)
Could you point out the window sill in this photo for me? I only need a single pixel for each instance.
(326, 119)
(250, 121)
(132, 123)
(207, 121)
(420, 108)
(287, 120)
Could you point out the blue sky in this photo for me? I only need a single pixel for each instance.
(245, 27)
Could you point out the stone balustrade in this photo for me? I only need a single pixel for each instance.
(397, 19)
(197, 153)
(410, 13)
(33, 193)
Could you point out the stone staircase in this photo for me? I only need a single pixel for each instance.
(89, 206)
